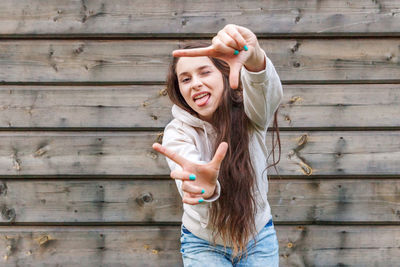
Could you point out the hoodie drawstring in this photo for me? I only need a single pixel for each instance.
(208, 143)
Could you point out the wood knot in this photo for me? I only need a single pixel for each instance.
(144, 198)
(184, 21)
(389, 57)
(287, 118)
(163, 92)
(306, 169)
(3, 188)
(294, 99)
(43, 240)
(159, 138)
(303, 140)
(296, 64)
(295, 47)
(16, 162)
(8, 214)
(41, 151)
(152, 155)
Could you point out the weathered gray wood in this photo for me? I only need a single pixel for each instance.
(130, 153)
(161, 18)
(154, 201)
(90, 246)
(343, 105)
(342, 200)
(351, 105)
(128, 106)
(338, 245)
(300, 245)
(63, 201)
(136, 61)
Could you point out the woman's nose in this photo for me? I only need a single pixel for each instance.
(196, 82)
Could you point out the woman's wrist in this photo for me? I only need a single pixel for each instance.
(256, 61)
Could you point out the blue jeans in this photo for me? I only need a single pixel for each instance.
(198, 252)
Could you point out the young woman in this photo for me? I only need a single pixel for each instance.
(215, 148)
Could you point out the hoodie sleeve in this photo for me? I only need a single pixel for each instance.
(262, 93)
(176, 140)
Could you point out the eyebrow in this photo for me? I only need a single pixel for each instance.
(199, 68)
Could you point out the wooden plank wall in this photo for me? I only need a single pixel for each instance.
(82, 99)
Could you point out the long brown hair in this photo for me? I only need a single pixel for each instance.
(233, 213)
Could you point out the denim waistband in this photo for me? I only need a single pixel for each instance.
(269, 223)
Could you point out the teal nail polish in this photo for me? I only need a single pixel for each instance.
(201, 200)
(236, 52)
(202, 191)
(245, 48)
(192, 177)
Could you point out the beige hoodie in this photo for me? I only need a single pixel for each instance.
(192, 138)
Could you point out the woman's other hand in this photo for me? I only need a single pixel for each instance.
(234, 44)
(205, 174)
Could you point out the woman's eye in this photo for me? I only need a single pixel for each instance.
(203, 73)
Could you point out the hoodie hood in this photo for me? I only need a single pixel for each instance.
(187, 118)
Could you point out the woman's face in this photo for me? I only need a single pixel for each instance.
(200, 84)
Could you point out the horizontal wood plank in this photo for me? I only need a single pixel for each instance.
(177, 18)
(144, 61)
(130, 153)
(158, 201)
(147, 106)
(90, 246)
(124, 106)
(299, 245)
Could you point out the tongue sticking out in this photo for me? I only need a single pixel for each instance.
(202, 101)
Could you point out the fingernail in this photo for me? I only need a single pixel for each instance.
(192, 177)
(201, 200)
(236, 52)
(245, 48)
(202, 191)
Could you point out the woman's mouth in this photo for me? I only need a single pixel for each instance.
(202, 99)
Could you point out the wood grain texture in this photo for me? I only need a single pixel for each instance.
(188, 18)
(151, 201)
(299, 245)
(146, 61)
(130, 153)
(102, 197)
(338, 245)
(148, 106)
(90, 246)
(125, 106)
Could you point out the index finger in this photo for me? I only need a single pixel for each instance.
(194, 52)
(170, 154)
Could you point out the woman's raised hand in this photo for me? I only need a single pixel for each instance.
(236, 45)
(205, 174)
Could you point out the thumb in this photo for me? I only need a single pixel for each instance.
(234, 75)
(220, 154)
